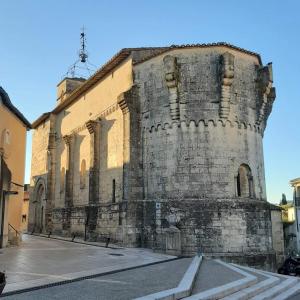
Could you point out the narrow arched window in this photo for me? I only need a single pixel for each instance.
(7, 137)
(244, 182)
(113, 191)
(62, 179)
(82, 174)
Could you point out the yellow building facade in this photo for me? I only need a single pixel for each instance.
(13, 128)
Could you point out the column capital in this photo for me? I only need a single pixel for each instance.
(123, 104)
(91, 125)
(68, 138)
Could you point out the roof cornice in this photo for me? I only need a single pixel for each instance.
(7, 102)
(208, 45)
(122, 56)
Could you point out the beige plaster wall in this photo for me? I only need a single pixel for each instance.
(14, 156)
(40, 139)
(99, 101)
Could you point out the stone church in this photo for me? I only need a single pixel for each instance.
(160, 148)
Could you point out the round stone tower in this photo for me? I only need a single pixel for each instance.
(203, 113)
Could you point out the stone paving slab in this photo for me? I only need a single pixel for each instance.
(39, 261)
(122, 285)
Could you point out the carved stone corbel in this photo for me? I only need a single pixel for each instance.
(226, 80)
(171, 77)
(67, 139)
(123, 104)
(266, 93)
(91, 126)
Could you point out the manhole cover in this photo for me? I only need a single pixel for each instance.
(116, 254)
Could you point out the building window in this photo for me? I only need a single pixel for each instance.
(244, 182)
(114, 191)
(83, 174)
(62, 180)
(7, 137)
(24, 217)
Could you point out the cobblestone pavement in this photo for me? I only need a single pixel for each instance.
(41, 261)
(122, 285)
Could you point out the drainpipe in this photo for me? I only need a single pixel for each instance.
(2, 200)
(2, 218)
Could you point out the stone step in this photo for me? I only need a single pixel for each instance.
(230, 288)
(255, 289)
(290, 292)
(275, 291)
(280, 289)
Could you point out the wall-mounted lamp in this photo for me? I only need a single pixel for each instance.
(10, 193)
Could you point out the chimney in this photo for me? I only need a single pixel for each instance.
(66, 87)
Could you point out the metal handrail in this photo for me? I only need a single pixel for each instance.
(16, 231)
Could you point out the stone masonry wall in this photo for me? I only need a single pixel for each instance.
(172, 154)
(202, 119)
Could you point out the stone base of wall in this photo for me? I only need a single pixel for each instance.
(241, 228)
(266, 261)
(238, 230)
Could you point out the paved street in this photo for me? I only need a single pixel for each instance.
(123, 285)
(40, 261)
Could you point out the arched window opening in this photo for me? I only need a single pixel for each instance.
(113, 191)
(7, 137)
(83, 174)
(244, 182)
(40, 195)
(62, 179)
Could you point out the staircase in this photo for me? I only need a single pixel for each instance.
(208, 279)
(14, 236)
(219, 280)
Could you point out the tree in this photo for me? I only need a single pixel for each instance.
(283, 200)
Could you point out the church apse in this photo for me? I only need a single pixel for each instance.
(168, 142)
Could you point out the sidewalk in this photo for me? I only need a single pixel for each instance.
(119, 286)
(41, 261)
(77, 240)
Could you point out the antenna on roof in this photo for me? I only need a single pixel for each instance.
(82, 67)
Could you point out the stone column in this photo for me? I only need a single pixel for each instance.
(126, 144)
(50, 175)
(94, 177)
(266, 94)
(131, 208)
(94, 130)
(226, 78)
(171, 77)
(70, 143)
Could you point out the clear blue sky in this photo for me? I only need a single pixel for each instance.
(40, 40)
